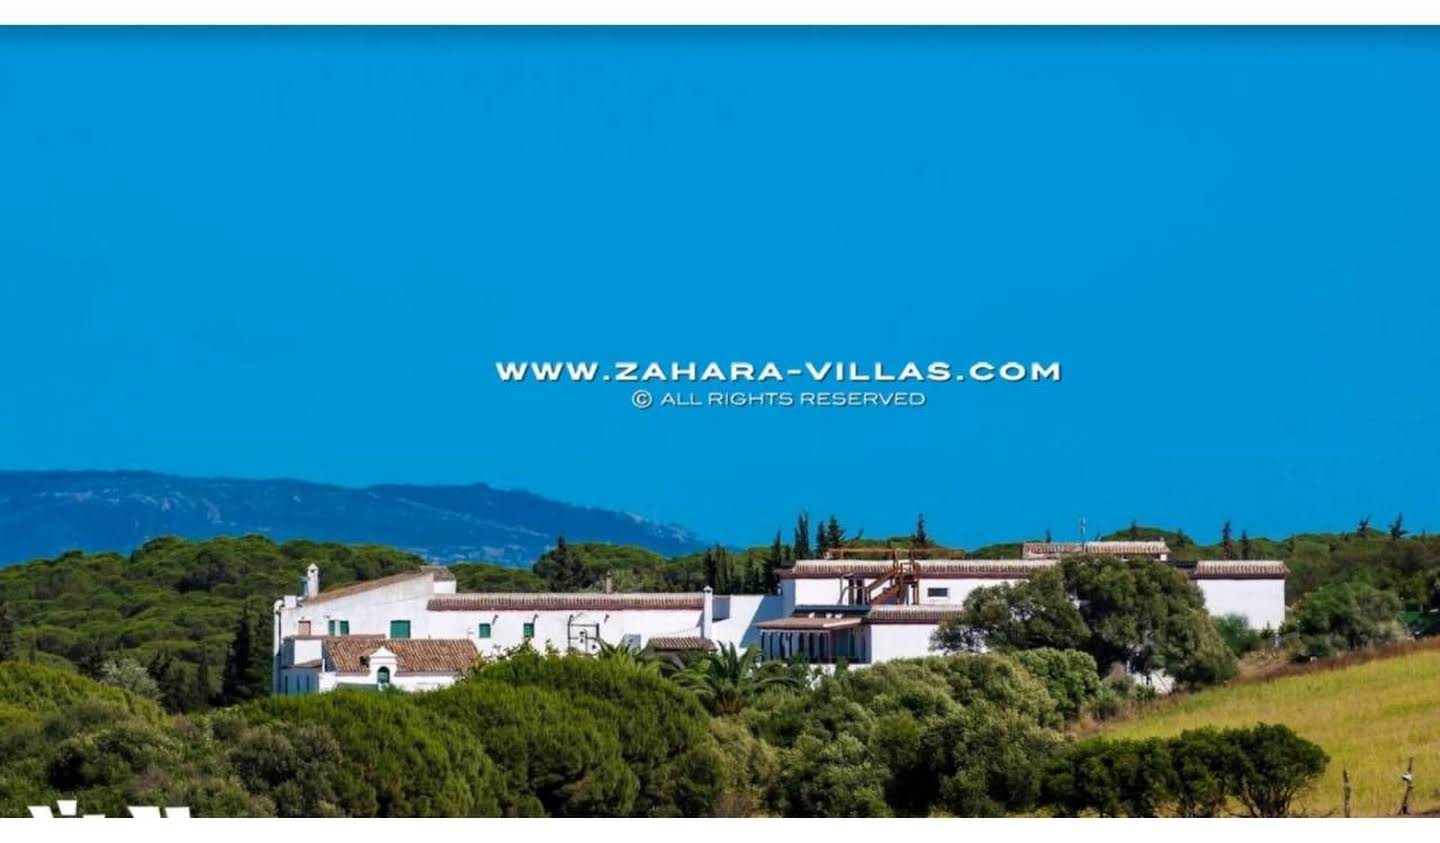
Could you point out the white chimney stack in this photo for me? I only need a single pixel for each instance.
(707, 615)
(312, 580)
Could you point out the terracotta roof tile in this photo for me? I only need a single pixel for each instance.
(579, 601)
(439, 572)
(922, 613)
(347, 654)
(1049, 550)
(1239, 569)
(681, 642)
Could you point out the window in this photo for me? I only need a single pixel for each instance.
(339, 627)
(399, 629)
(382, 677)
(529, 630)
(304, 628)
(937, 592)
(483, 631)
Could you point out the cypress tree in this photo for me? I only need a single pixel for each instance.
(568, 572)
(1245, 546)
(200, 691)
(712, 569)
(773, 563)
(8, 648)
(1227, 544)
(921, 538)
(247, 664)
(801, 547)
(834, 533)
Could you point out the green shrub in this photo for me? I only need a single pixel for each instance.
(396, 759)
(1343, 616)
(557, 758)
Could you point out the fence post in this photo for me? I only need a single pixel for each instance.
(1345, 777)
(1409, 778)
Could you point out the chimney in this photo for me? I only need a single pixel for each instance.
(707, 614)
(609, 582)
(312, 580)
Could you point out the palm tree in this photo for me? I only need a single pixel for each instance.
(638, 659)
(727, 679)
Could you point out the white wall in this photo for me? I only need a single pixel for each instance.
(553, 627)
(890, 641)
(1262, 602)
(370, 611)
(746, 610)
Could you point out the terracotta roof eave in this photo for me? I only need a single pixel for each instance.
(549, 601)
(680, 642)
(812, 624)
(934, 569)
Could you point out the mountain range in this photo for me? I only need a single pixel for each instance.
(45, 513)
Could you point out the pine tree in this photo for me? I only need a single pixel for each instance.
(1048, 537)
(921, 538)
(1134, 530)
(1227, 544)
(8, 648)
(1245, 545)
(1397, 528)
(1363, 528)
(822, 543)
(801, 547)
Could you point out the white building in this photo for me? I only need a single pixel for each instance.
(413, 630)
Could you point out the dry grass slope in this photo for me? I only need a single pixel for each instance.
(1369, 716)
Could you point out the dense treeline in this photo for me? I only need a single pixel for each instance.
(187, 623)
(615, 735)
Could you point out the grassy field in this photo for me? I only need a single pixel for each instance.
(1369, 713)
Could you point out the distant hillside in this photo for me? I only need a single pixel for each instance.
(45, 513)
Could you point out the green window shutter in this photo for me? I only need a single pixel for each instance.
(529, 631)
(331, 628)
(484, 631)
(344, 627)
(399, 629)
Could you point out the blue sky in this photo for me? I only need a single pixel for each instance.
(300, 252)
